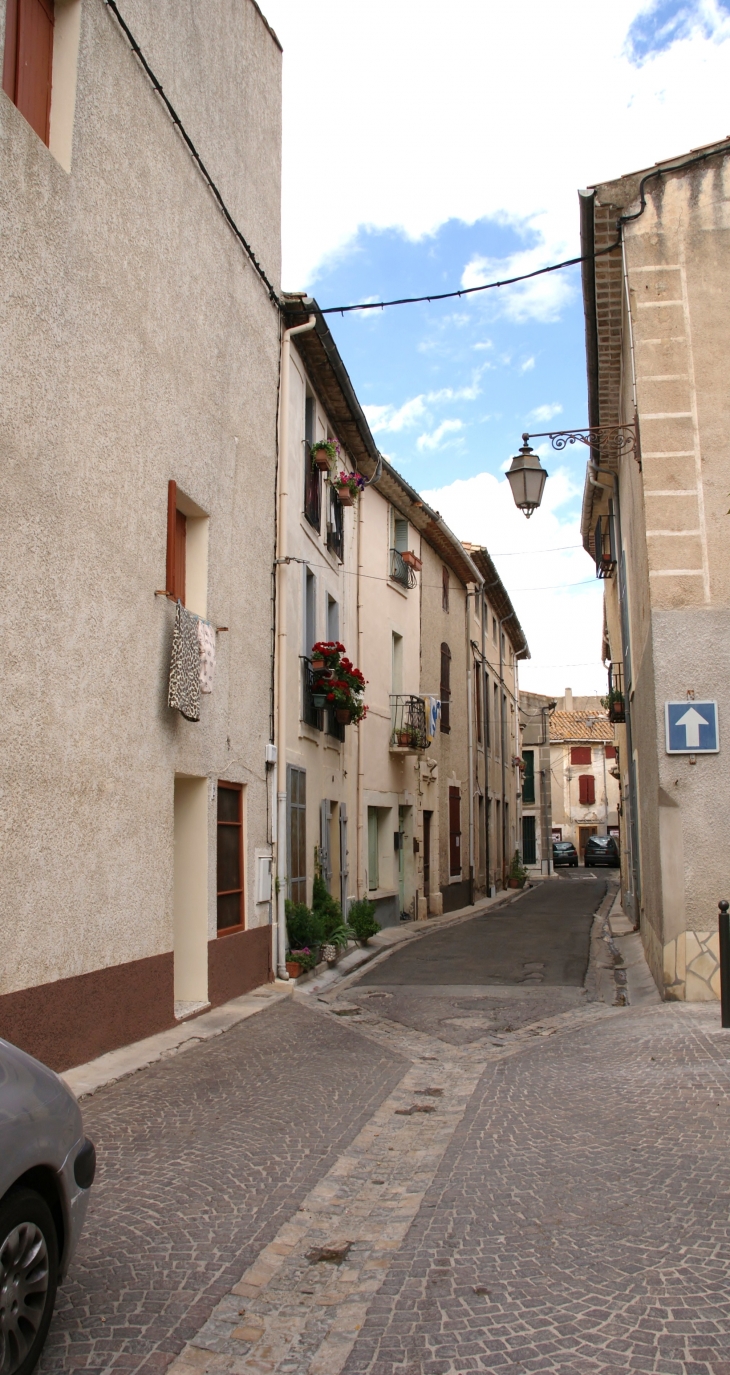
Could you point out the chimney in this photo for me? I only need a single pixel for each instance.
(568, 699)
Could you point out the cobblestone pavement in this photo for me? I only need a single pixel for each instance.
(201, 1158)
(544, 1188)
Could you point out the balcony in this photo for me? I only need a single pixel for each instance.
(400, 571)
(408, 725)
(318, 718)
(614, 702)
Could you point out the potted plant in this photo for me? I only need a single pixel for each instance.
(361, 919)
(348, 486)
(517, 872)
(339, 681)
(412, 560)
(319, 699)
(324, 453)
(615, 706)
(404, 737)
(299, 961)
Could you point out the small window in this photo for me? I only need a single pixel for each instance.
(28, 61)
(177, 526)
(230, 857)
(400, 533)
(444, 588)
(297, 832)
(312, 475)
(478, 700)
(497, 722)
(333, 619)
(445, 691)
(586, 789)
(397, 664)
(494, 629)
(373, 850)
(580, 754)
(528, 779)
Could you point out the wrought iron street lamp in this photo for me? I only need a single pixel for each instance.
(527, 478)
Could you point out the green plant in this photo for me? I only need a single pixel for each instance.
(306, 958)
(330, 447)
(361, 919)
(517, 869)
(614, 696)
(340, 936)
(325, 907)
(304, 927)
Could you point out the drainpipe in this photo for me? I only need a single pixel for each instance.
(485, 741)
(470, 742)
(501, 748)
(281, 590)
(360, 785)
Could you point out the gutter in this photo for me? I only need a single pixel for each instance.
(587, 201)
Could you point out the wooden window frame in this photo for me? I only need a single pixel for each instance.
(227, 892)
(176, 546)
(12, 58)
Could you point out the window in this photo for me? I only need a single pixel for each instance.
(333, 619)
(529, 848)
(445, 691)
(312, 475)
(230, 857)
(497, 723)
(400, 533)
(373, 857)
(177, 527)
(186, 573)
(310, 611)
(586, 789)
(494, 629)
(397, 664)
(444, 588)
(580, 754)
(610, 751)
(335, 525)
(28, 61)
(478, 700)
(528, 778)
(454, 833)
(487, 727)
(296, 793)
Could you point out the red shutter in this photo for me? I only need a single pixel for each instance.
(580, 754)
(177, 526)
(10, 55)
(610, 751)
(587, 789)
(35, 64)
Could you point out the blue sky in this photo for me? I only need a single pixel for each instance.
(426, 150)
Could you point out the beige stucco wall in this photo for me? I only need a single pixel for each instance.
(674, 529)
(137, 345)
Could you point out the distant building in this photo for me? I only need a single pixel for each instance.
(583, 761)
(536, 782)
(655, 519)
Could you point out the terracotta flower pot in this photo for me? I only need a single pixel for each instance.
(343, 715)
(516, 883)
(345, 495)
(317, 665)
(412, 560)
(293, 969)
(321, 460)
(403, 737)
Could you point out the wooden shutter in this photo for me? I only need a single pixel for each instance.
(177, 527)
(454, 832)
(580, 754)
(528, 778)
(230, 858)
(478, 699)
(445, 690)
(34, 63)
(610, 751)
(586, 789)
(297, 838)
(10, 55)
(444, 588)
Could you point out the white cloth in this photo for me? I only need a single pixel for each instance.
(206, 642)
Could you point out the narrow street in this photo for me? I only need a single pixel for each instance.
(458, 1160)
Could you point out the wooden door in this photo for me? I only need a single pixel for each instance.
(454, 832)
(427, 853)
(583, 833)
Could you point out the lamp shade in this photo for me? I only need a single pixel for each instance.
(526, 477)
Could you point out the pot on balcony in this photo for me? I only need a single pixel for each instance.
(343, 715)
(345, 496)
(412, 560)
(404, 737)
(319, 700)
(317, 664)
(321, 460)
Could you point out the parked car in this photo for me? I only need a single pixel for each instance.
(564, 852)
(601, 850)
(47, 1168)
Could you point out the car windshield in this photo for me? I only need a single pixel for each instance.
(600, 840)
(562, 845)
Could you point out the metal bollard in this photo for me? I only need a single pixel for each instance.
(724, 927)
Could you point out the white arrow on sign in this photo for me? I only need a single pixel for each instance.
(692, 722)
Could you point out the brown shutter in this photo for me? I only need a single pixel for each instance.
(35, 64)
(580, 754)
(587, 789)
(444, 587)
(445, 690)
(10, 55)
(454, 831)
(181, 531)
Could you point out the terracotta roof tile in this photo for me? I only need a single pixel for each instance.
(580, 725)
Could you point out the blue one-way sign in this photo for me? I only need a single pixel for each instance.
(691, 727)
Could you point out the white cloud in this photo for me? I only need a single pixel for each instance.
(412, 162)
(396, 418)
(433, 440)
(562, 623)
(528, 365)
(546, 412)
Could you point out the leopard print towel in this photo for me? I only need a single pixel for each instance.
(184, 689)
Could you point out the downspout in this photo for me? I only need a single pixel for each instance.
(361, 891)
(501, 747)
(281, 608)
(470, 741)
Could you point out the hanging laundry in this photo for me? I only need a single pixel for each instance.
(206, 641)
(184, 690)
(433, 711)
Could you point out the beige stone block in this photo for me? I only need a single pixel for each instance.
(350, 1318)
(244, 1290)
(704, 966)
(436, 904)
(670, 962)
(332, 1355)
(245, 1333)
(712, 943)
(692, 947)
(697, 990)
(715, 984)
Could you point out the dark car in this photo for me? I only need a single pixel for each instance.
(564, 852)
(46, 1170)
(601, 850)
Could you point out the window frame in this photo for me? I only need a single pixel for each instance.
(445, 588)
(445, 689)
(227, 786)
(312, 475)
(177, 526)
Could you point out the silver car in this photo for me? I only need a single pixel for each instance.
(46, 1170)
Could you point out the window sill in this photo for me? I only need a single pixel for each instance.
(396, 587)
(230, 930)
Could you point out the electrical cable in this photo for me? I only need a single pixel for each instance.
(174, 116)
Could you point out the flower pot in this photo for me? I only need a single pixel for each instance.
(318, 700)
(321, 460)
(293, 969)
(412, 560)
(317, 665)
(345, 495)
(516, 883)
(403, 737)
(343, 715)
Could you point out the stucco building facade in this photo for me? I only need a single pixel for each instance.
(657, 347)
(140, 348)
(583, 765)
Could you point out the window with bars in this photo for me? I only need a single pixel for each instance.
(445, 690)
(528, 778)
(230, 858)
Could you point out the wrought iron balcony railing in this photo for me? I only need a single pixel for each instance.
(400, 571)
(319, 718)
(616, 700)
(408, 724)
